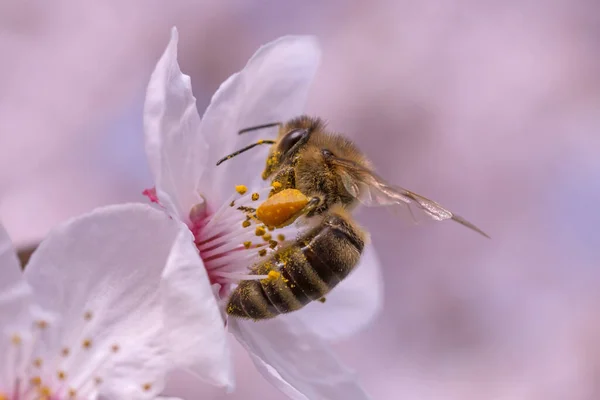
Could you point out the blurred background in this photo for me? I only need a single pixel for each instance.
(490, 107)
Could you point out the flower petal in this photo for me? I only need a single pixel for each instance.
(102, 273)
(15, 316)
(294, 360)
(10, 269)
(175, 148)
(190, 306)
(272, 87)
(351, 306)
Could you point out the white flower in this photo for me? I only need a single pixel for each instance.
(291, 351)
(93, 314)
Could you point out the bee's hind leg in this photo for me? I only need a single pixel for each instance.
(312, 205)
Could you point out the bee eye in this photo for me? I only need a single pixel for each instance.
(290, 139)
(326, 153)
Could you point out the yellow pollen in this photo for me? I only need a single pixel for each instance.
(147, 387)
(65, 352)
(322, 299)
(272, 244)
(272, 275)
(61, 375)
(266, 237)
(16, 339)
(232, 204)
(276, 185)
(37, 362)
(41, 324)
(87, 343)
(246, 224)
(115, 348)
(260, 231)
(247, 244)
(281, 237)
(35, 381)
(255, 196)
(241, 189)
(262, 252)
(88, 315)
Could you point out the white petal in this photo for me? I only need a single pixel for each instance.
(15, 317)
(176, 151)
(102, 274)
(351, 306)
(190, 306)
(10, 269)
(296, 361)
(272, 87)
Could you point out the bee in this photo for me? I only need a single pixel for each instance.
(335, 176)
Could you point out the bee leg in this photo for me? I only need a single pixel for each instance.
(283, 179)
(312, 204)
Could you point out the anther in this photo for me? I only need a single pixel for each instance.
(72, 393)
(65, 352)
(262, 252)
(246, 224)
(61, 375)
(266, 237)
(35, 381)
(281, 237)
(41, 324)
(260, 230)
(45, 393)
(255, 196)
(115, 348)
(276, 185)
(247, 244)
(241, 189)
(87, 343)
(16, 339)
(147, 387)
(88, 315)
(37, 362)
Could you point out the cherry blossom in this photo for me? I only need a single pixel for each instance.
(93, 313)
(292, 351)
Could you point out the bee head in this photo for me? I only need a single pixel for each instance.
(293, 135)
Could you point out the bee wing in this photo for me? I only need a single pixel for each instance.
(371, 190)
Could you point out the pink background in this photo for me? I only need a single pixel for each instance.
(490, 107)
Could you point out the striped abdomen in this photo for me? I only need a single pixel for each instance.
(308, 269)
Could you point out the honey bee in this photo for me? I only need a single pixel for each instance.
(335, 176)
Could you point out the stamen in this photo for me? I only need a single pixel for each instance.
(227, 241)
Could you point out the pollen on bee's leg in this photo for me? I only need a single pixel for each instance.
(272, 275)
(280, 208)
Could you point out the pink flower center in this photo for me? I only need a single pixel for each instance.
(231, 240)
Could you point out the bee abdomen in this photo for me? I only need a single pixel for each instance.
(305, 271)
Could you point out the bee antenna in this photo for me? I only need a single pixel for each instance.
(245, 149)
(257, 127)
